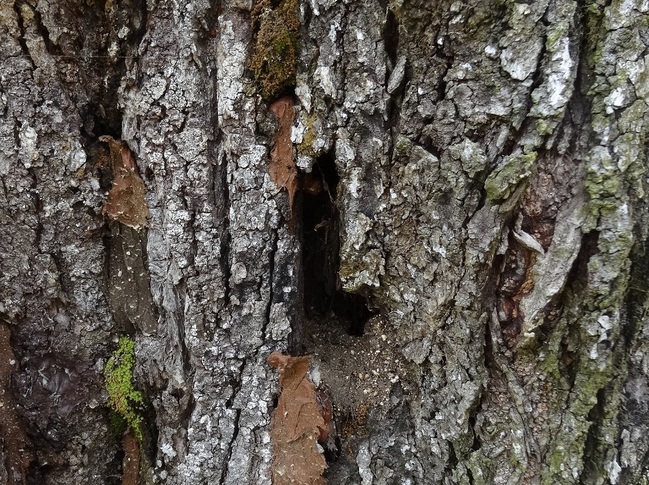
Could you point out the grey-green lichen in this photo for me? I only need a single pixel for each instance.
(274, 57)
(306, 148)
(480, 467)
(504, 179)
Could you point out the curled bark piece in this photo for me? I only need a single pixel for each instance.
(297, 425)
(126, 202)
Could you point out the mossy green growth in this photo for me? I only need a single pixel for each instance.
(127, 402)
(480, 466)
(403, 147)
(503, 181)
(274, 58)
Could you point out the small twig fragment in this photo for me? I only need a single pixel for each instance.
(526, 239)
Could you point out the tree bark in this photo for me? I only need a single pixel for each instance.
(458, 241)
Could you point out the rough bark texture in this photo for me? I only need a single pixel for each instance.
(464, 257)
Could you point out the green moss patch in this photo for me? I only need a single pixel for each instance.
(274, 58)
(123, 398)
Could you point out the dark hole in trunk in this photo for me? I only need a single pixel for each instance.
(477, 444)
(321, 244)
(332, 454)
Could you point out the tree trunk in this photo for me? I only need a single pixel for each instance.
(442, 203)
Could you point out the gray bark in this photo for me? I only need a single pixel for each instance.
(482, 200)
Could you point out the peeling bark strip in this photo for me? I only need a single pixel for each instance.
(129, 294)
(125, 202)
(131, 462)
(282, 169)
(298, 424)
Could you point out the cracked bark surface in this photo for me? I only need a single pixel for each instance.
(477, 189)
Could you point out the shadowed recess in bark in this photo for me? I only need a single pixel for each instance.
(636, 414)
(321, 244)
(391, 36)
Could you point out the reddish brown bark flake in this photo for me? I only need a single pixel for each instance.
(282, 169)
(126, 202)
(131, 462)
(297, 425)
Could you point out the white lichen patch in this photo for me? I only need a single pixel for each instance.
(520, 57)
(28, 144)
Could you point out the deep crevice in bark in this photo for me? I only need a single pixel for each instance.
(552, 312)
(17, 447)
(477, 443)
(21, 38)
(635, 414)
(637, 297)
(320, 255)
(235, 433)
(594, 450)
(221, 196)
(100, 112)
(578, 275)
(38, 208)
(391, 38)
(452, 461)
